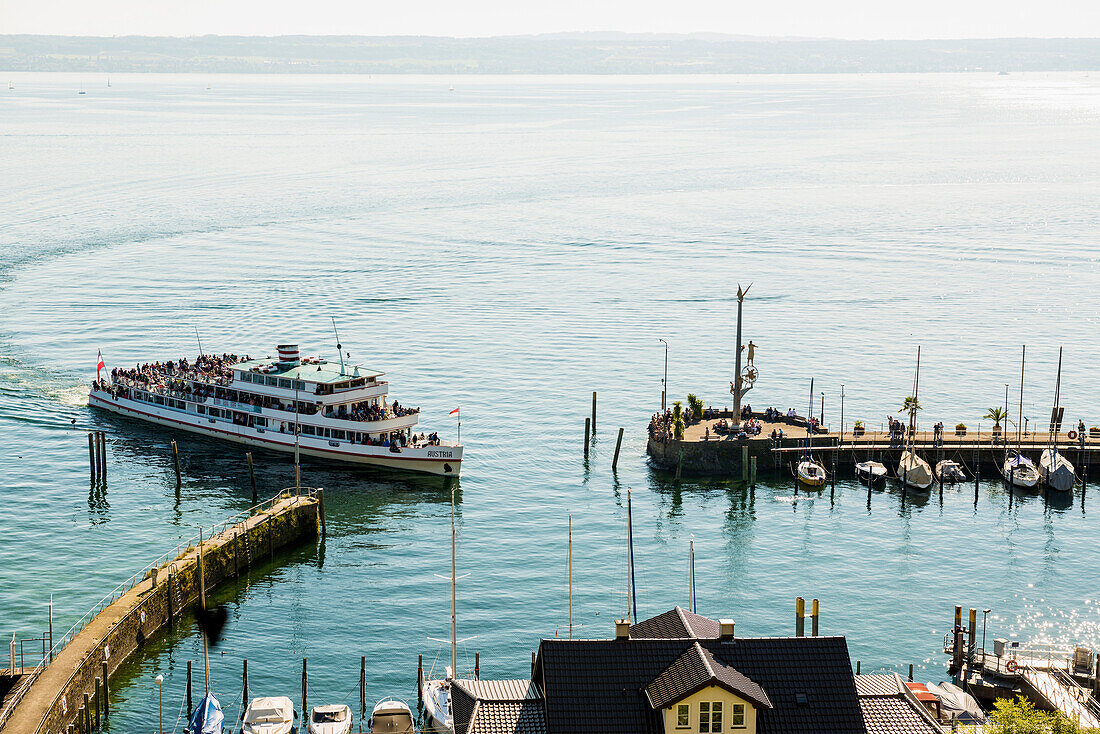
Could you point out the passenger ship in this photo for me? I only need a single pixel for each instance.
(341, 414)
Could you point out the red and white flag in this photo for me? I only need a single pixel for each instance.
(453, 412)
(99, 365)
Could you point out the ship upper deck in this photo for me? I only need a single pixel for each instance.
(313, 370)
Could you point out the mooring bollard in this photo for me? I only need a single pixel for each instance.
(752, 472)
(857, 667)
(910, 671)
(244, 682)
(419, 678)
(593, 412)
(363, 690)
(176, 456)
(744, 464)
(813, 618)
(618, 445)
(587, 428)
(87, 709)
(305, 710)
(799, 617)
(190, 706)
(477, 665)
(252, 478)
(102, 455)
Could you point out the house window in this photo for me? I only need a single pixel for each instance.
(710, 716)
(683, 716)
(737, 715)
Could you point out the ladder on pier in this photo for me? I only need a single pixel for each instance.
(1064, 694)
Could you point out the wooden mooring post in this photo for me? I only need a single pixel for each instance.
(106, 691)
(176, 459)
(93, 455)
(752, 472)
(618, 445)
(363, 690)
(190, 704)
(252, 477)
(477, 665)
(419, 678)
(321, 511)
(244, 686)
(102, 455)
(98, 702)
(593, 412)
(587, 435)
(813, 618)
(799, 617)
(305, 709)
(744, 464)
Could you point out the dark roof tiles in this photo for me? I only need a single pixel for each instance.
(676, 624)
(696, 669)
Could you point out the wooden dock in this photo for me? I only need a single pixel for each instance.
(703, 450)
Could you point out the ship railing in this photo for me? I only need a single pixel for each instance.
(235, 405)
(182, 547)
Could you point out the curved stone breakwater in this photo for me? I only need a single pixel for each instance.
(70, 693)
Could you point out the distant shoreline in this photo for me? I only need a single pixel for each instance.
(558, 54)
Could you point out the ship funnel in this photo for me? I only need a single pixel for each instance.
(288, 354)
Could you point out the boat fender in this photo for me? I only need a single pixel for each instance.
(1071, 435)
(1011, 666)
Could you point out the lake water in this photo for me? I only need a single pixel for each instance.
(509, 247)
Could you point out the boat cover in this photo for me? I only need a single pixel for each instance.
(269, 710)
(957, 704)
(1019, 460)
(207, 717)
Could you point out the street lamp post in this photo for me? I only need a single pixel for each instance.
(160, 688)
(664, 382)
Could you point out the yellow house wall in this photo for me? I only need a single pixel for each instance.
(712, 693)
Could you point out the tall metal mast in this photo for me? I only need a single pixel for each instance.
(570, 577)
(632, 603)
(339, 346)
(738, 390)
(454, 612)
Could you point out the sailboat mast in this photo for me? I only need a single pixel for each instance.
(1020, 420)
(1054, 410)
(632, 606)
(691, 574)
(454, 612)
(202, 606)
(570, 577)
(809, 423)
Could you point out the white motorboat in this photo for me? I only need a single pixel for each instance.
(290, 403)
(1019, 471)
(914, 472)
(268, 715)
(334, 719)
(871, 472)
(391, 716)
(950, 472)
(1056, 471)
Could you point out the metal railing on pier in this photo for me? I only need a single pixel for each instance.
(28, 679)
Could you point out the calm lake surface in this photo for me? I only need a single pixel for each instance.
(509, 247)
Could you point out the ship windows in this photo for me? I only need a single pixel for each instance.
(285, 383)
(273, 381)
(338, 435)
(307, 430)
(201, 409)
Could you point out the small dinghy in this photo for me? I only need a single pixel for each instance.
(871, 472)
(914, 472)
(1018, 471)
(207, 717)
(330, 720)
(391, 716)
(269, 715)
(950, 472)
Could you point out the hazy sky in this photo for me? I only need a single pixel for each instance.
(832, 18)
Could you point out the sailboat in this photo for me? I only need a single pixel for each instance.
(810, 472)
(207, 718)
(1056, 470)
(1017, 469)
(871, 472)
(913, 471)
(436, 692)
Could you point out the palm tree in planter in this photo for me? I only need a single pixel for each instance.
(677, 421)
(911, 406)
(996, 415)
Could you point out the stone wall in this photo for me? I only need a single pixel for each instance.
(148, 609)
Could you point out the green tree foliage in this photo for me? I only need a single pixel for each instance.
(1019, 716)
(695, 405)
(677, 421)
(911, 403)
(997, 415)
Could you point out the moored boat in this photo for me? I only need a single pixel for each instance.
(268, 715)
(334, 719)
(1056, 471)
(1019, 471)
(290, 403)
(949, 472)
(914, 472)
(207, 717)
(391, 716)
(871, 472)
(810, 473)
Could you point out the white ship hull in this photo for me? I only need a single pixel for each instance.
(430, 459)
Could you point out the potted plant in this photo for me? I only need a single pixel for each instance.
(996, 415)
(677, 421)
(960, 429)
(858, 429)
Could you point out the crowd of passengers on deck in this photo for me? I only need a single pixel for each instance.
(205, 368)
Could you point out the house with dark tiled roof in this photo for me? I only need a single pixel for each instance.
(890, 706)
(676, 673)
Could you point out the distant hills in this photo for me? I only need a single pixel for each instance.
(561, 53)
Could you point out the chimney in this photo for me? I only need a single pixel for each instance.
(725, 629)
(622, 629)
(288, 354)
